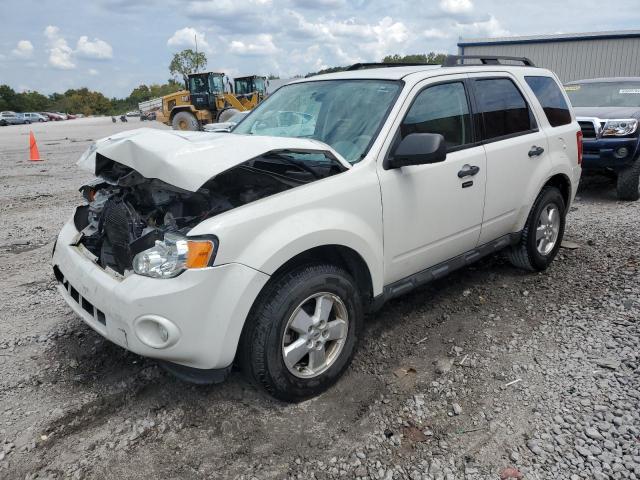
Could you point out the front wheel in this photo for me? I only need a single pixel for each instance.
(628, 185)
(302, 332)
(542, 234)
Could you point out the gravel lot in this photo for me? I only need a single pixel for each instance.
(490, 373)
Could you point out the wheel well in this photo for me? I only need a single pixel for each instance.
(562, 183)
(338, 255)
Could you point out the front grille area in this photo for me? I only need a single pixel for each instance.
(588, 129)
(86, 305)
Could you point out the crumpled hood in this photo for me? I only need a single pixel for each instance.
(607, 113)
(186, 159)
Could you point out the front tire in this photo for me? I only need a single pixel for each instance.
(628, 185)
(542, 234)
(185, 121)
(302, 332)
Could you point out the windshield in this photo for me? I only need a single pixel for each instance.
(198, 84)
(259, 82)
(345, 114)
(604, 94)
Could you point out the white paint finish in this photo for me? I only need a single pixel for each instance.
(208, 306)
(189, 159)
(428, 218)
(343, 210)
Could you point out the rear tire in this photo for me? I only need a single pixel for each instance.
(542, 234)
(628, 186)
(296, 316)
(185, 121)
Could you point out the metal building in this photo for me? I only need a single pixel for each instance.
(572, 56)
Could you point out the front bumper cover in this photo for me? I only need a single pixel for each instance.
(208, 306)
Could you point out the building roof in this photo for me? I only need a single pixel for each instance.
(559, 37)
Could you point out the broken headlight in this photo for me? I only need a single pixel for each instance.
(173, 255)
(619, 128)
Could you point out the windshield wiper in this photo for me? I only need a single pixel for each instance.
(282, 156)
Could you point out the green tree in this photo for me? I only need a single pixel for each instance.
(186, 62)
(431, 57)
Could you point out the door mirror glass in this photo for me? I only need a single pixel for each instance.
(418, 149)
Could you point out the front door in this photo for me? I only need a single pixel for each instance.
(433, 212)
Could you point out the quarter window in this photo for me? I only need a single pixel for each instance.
(441, 109)
(502, 107)
(551, 98)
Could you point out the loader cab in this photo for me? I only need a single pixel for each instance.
(204, 89)
(250, 85)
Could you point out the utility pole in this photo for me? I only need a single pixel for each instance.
(197, 62)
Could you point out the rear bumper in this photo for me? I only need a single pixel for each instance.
(600, 153)
(203, 310)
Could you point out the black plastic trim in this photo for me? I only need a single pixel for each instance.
(452, 60)
(198, 376)
(478, 114)
(400, 287)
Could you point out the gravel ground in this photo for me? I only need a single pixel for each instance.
(490, 373)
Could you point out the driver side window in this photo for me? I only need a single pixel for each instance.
(442, 109)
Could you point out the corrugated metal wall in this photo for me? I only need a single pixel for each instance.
(574, 60)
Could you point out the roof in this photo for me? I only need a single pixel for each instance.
(559, 37)
(605, 80)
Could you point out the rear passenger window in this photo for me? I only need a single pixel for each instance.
(550, 97)
(441, 109)
(503, 109)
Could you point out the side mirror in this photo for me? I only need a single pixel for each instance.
(417, 149)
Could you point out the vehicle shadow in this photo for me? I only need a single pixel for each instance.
(597, 188)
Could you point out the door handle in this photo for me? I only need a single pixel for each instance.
(468, 171)
(536, 151)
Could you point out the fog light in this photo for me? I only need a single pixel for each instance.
(156, 331)
(622, 152)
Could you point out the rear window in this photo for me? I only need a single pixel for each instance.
(503, 109)
(550, 97)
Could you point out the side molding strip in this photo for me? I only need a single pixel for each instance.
(440, 270)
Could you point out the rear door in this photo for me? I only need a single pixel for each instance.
(516, 149)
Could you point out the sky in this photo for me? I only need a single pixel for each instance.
(114, 45)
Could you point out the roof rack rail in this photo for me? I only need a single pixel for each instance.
(452, 60)
(364, 66)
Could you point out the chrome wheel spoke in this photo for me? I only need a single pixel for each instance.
(540, 231)
(337, 329)
(301, 322)
(312, 342)
(324, 305)
(317, 359)
(294, 352)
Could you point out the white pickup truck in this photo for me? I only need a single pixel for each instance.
(266, 246)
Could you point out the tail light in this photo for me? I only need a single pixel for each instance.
(579, 140)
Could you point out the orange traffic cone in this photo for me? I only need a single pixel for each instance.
(34, 154)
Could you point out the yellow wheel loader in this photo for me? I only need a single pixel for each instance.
(204, 101)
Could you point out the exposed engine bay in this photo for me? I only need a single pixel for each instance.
(126, 213)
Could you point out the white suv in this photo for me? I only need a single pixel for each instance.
(269, 244)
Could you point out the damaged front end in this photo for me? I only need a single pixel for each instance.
(134, 223)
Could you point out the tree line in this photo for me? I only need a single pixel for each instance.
(88, 102)
(431, 57)
(82, 100)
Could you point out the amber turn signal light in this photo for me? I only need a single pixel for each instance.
(200, 253)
